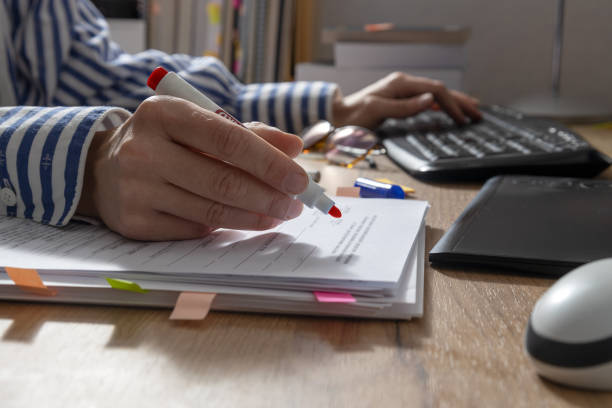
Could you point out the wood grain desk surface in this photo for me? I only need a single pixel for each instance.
(467, 350)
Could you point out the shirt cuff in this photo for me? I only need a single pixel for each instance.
(42, 158)
(290, 106)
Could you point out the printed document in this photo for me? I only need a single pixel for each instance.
(370, 243)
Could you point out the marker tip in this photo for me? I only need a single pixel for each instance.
(335, 212)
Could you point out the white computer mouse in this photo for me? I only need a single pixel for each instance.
(569, 335)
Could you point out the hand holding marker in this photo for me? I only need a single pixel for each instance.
(169, 83)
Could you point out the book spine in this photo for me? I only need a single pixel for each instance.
(286, 42)
(244, 16)
(270, 50)
(183, 26)
(227, 26)
(304, 31)
(161, 21)
(260, 35)
(251, 41)
(214, 33)
(236, 50)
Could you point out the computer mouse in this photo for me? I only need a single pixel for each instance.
(569, 334)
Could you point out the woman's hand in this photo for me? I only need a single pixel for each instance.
(400, 95)
(177, 171)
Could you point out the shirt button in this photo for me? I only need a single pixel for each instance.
(8, 197)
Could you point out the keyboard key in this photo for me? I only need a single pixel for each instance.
(546, 146)
(425, 152)
(437, 141)
(517, 146)
(473, 150)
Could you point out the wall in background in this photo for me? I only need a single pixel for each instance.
(510, 50)
(129, 33)
(126, 22)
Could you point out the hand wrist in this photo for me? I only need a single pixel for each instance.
(87, 203)
(339, 109)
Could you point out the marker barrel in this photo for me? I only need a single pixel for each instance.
(314, 197)
(173, 85)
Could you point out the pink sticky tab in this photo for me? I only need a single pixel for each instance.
(192, 306)
(334, 297)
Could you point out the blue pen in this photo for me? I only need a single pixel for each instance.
(369, 188)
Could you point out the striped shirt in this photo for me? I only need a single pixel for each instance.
(63, 79)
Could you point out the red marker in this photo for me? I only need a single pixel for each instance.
(169, 83)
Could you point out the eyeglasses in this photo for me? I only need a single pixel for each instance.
(344, 146)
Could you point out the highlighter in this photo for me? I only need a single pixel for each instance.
(369, 188)
(171, 84)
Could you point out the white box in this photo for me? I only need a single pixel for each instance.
(381, 55)
(352, 80)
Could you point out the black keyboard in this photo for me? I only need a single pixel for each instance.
(431, 146)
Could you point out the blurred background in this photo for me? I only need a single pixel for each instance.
(501, 52)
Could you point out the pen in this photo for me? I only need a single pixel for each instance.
(169, 83)
(375, 189)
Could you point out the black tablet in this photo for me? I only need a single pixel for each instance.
(534, 224)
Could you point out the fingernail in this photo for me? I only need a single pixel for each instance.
(295, 183)
(295, 209)
(425, 99)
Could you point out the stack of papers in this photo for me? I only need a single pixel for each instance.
(369, 263)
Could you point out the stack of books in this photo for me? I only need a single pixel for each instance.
(254, 39)
(369, 263)
(362, 57)
(185, 26)
(257, 39)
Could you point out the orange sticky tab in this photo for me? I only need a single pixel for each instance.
(29, 281)
(347, 191)
(192, 306)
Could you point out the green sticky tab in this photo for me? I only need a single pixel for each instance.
(123, 284)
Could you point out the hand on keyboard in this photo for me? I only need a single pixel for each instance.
(400, 95)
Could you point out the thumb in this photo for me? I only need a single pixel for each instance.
(401, 108)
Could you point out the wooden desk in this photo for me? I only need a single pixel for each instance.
(467, 350)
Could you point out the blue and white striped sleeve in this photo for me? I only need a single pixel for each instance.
(290, 106)
(42, 158)
(95, 71)
(69, 58)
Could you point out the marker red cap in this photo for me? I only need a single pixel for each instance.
(156, 76)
